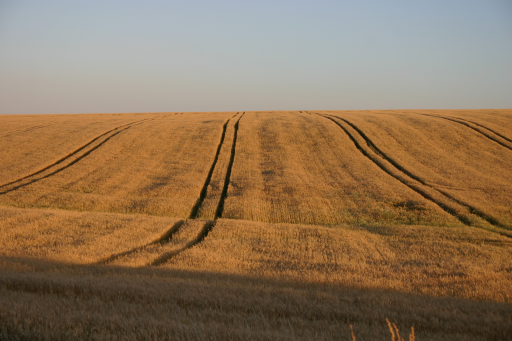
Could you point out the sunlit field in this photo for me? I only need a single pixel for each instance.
(283, 225)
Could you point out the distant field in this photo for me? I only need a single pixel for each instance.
(256, 225)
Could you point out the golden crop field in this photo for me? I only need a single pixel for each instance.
(282, 225)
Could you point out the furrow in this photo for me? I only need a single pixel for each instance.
(183, 235)
(62, 165)
(491, 220)
(478, 130)
(186, 234)
(380, 153)
(67, 156)
(470, 208)
(162, 239)
(202, 195)
(484, 127)
(210, 203)
(459, 210)
(19, 131)
(208, 225)
(220, 207)
(386, 168)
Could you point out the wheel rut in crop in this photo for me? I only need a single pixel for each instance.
(69, 159)
(201, 234)
(454, 207)
(220, 207)
(165, 238)
(192, 231)
(479, 129)
(202, 195)
(491, 220)
(484, 127)
(21, 131)
(180, 237)
(209, 224)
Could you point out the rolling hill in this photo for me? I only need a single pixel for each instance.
(256, 225)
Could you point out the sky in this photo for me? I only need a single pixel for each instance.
(167, 56)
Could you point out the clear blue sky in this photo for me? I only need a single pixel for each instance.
(147, 56)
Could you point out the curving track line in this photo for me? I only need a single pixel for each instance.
(20, 131)
(69, 159)
(220, 207)
(456, 208)
(165, 238)
(208, 225)
(199, 238)
(471, 209)
(477, 129)
(482, 126)
(202, 195)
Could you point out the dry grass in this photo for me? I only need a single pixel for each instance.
(157, 253)
(299, 168)
(30, 142)
(156, 167)
(497, 120)
(210, 205)
(75, 237)
(41, 301)
(446, 155)
(335, 225)
(460, 262)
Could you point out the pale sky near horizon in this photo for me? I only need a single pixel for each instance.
(159, 56)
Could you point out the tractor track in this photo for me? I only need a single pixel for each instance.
(69, 159)
(385, 169)
(466, 123)
(20, 131)
(162, 239)
(442, 199)
(220, 207)
(491, 220)
(202, 195)
(199, 238)
(209, 225)
(379, 152)
(200, 233)
(484, 127)
(166, 247)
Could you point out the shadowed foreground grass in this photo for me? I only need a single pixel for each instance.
(55, 301)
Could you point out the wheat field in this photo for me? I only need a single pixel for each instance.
(278, 225)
